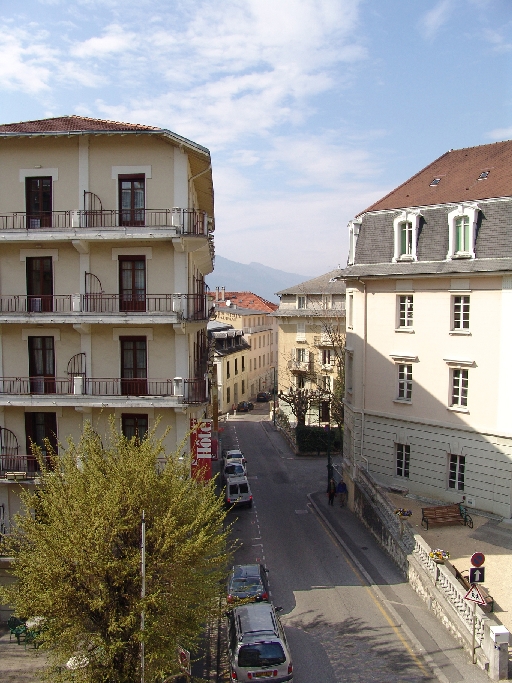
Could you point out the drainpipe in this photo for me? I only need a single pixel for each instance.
(363, 398)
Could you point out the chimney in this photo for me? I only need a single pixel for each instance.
(216, 293)
(223, 294)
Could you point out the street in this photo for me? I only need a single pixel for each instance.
(349, 615)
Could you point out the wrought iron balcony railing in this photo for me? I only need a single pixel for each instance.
(186, 306)
(300, 366)
(184, 390)
(184, 221)
(19, 467)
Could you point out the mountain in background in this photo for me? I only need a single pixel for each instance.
(252, 277)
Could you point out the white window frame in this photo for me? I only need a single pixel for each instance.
(404, 383)
(459, 376)
(457, 466)
(300, 354)
(464, 316)
(408, 310)
(350, 310)
(402, 451)
(301, 332)
(412, 217)
(301, 299)
(470, 211)
(354, 228)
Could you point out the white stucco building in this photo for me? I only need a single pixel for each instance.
(429, 330)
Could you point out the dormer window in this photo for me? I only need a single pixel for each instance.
(462, 231)
(435, 182)
(483, 176)
(353, 233)
(406, 236)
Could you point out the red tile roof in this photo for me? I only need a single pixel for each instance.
(458, 171)
(247, 300)
(68, 124)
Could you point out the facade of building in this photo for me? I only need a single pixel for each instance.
(311, 319)
(252, 315)
(106, 236)
(429, 311)
(230, 357)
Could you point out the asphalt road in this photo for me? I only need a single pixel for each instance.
(349, 615)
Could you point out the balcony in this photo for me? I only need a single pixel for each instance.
(187, 307)
(300, 366)
(189, 222)
(81, 390)
(19, 467)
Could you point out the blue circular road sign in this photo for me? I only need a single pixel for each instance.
(477, 559)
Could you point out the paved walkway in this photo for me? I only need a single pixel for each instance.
(17, 664)
(489, 535)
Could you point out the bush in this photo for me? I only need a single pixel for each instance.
(317, 439)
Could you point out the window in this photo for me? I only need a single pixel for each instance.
(460, 312)
(405, 311)
(134, 426)
(301, 382)
(243, 363)
(462, 223)
(406, 228)
(40, 427)
(350, 312)
(250, 364)
(483, 176)
(301, 332)
(243, 387)
(228, 395)
(403, 457)
(259, 361)
(132, 283)
(38, 192)
(41, 365)
(459, 387)
(236, 366)
(327, 357)
(228, 373)
(39, 284)
(435, 182)
(301, 302)
(133, 366)
(259, 342)
(300, 355)
(404, 382)
(131, 199)
(326, 383)
(456, 470)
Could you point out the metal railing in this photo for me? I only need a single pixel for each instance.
(300, 366)
(21, 466)
(184, 221)
(186, 306)
(185, 390)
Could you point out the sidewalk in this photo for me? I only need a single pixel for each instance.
(489, 535)
(18, 665)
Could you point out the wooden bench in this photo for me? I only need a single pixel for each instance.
(446, 514)
(463, 578)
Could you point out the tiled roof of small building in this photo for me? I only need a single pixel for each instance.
(454, 177)
(70, 124)
(247, 300)
(318, 285)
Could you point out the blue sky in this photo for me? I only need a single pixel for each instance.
(312, 109)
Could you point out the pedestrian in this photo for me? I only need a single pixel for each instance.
(342, 490)
(331, 490)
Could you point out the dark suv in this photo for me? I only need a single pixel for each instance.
(248, 581)
(262, 397)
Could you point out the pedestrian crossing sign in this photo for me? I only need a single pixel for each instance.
(474, 595)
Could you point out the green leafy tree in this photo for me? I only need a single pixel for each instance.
(77, 557)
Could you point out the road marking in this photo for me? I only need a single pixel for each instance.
(369, 589)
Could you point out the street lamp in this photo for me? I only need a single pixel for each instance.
(274, 390)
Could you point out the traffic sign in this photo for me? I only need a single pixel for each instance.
(477, 575)
(474, 595)
(477, 559)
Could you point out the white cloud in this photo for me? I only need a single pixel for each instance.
(435, 18)
(25, 60)
(497, 40)
(114, 40)
(500, 134)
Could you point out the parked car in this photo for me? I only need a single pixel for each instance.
(233, 454)
(243, 407)
(248, 582)
(233, 469)
(238, 492)
(257, 644)
(262, 397)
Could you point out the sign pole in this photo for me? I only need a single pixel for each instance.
(142, 592)
(474, 633)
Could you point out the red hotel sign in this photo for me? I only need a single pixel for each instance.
(201, 449)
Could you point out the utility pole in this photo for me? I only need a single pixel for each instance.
(142, 592)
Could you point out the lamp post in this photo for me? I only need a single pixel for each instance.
(329, 461)
(274, 390)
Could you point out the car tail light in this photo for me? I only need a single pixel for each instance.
(275, 672)
(264, 596)
(290, 668)
(230, 598)
(250, 497)
(234, 677)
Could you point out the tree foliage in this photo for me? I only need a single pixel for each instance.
(301, 401)
(77, 557)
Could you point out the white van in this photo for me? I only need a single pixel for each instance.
(257, 644)
(238, 492)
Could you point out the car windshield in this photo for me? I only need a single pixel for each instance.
(261, 654)
(234, 469)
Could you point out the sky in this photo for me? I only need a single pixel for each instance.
(312, 109)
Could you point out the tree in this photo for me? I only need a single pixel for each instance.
(301, 401)
(77, 557)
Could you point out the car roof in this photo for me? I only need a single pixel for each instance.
(236, 479)
(242, 570)
(257, 618)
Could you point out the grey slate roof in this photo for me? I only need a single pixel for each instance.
(456, 266)
(317, 285)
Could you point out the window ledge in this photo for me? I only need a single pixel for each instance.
(406, 257)
(462, 333)
(462, 254)
(458, 409)
(403, 400)
(408, 330)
